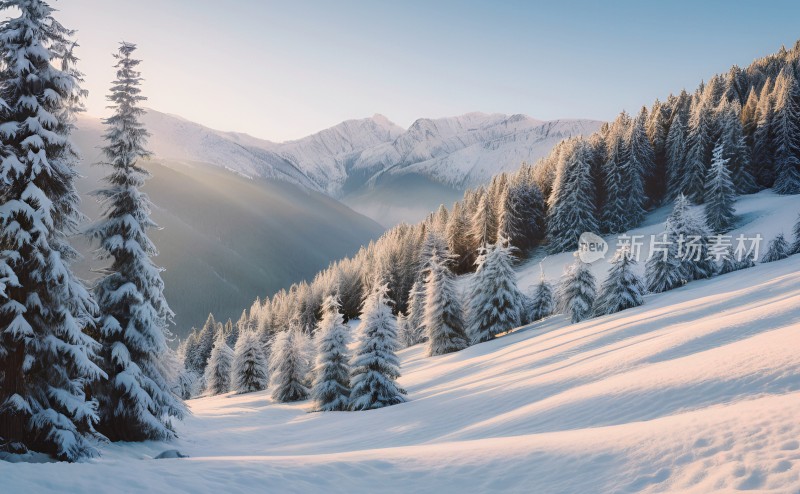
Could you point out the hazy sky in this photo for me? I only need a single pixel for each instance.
(282, 70)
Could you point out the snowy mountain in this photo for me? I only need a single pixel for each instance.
(695, 391)
(226, 238)
(368, 163)
(316, 162)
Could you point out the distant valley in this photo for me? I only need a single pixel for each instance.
(377, 168)
(243, 216)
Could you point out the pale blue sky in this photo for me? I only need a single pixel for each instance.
(282, 70)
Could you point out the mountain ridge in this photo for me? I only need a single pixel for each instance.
(362, 161)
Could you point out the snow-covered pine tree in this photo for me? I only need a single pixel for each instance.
(542, 301)
(136, 402)
(457, 233)
(218, 369)
(572, 201)
(288, 367)
(786, 133)
(778, 249)
(749, 119)
(691, 233)
(242, 325)
(205, 342)
(375, 366)
(414, 331)
(404, 338)
(443, 322)
(735, 149)
(577, 291)
(331, 388)
(646, 184)
(228, 330)
(495, 302)
(249, 371)
(796, 232)
(676, 155)
(522, 213)
(720, 194)
(730, 263)
(763, 155)
(484, 221)
(622, 289)
(45, 356)
(185, 385)
(616, 216)
(698, 150)
(663, 270)
(188, 355)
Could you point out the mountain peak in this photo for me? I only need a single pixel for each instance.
(382, 120)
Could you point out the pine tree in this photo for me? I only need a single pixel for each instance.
(786, 133)
(45, 356)
(749, 118)
(404, 335)
(730, 263)
(457, 237)
(288, 367)
(484, 221)
(698, 154)
(676, 156)
(522, 214)
(796, 231)
(763, 155)
(572, 201)
(414, 332)
(622, 289)
(542, 302)
(218, 369)
(657, 130)
(615, 209)
(249, 371)
(136, 402)
(735, 149)
(331, 388)
(232, 333)
(443, 321)
(663, 270)
(187, 349)
(375, 366)
(691, 236)
(778, 249)
(495, 301)
(720, 194)
(577, 292)
(205, 342)
(646, 183)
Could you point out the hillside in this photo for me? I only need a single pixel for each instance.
(696, 391)
(372, 164)
(227, 238)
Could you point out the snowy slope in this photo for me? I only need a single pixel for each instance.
(696, 391)
(364, 161)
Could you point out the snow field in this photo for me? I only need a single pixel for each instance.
(698, 390)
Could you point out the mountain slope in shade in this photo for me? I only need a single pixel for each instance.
(228, 238)
(368, 162)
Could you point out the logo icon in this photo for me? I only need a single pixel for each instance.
(591, 247)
